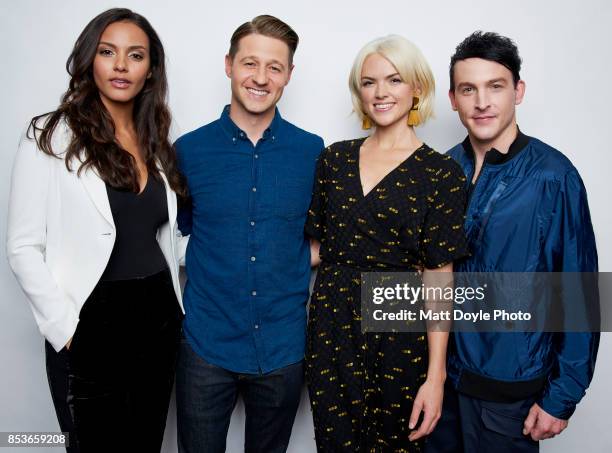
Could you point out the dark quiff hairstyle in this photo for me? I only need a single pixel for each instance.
(269, 26)
(93, 141)
(488, 46)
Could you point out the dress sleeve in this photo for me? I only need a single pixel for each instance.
(315, 221)
(443, 237)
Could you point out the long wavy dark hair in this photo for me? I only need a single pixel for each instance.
(93, 141)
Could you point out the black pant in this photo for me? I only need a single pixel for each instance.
(118, 375)
(470, 425)
(58, 364)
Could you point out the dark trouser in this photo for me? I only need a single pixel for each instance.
(470, 425)
(58, 364)
(206, 395)
(120, 367)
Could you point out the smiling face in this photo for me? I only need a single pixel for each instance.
(485, 98)
(122, 63)
(385, 97)
(259, 72)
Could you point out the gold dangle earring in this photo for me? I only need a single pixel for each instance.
(414, 118)
(366, 123)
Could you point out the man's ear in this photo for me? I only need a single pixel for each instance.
(289, 73)
(451, 96)
(228, 66)
(520, 92)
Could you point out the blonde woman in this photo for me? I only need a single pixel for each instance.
(386, 202)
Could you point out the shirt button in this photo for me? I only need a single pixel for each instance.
(233, 139)
(252, 223)
(253, 258)
(256, 156)
(242, 134)
(253, 293)
(254, 189)
(257, 326)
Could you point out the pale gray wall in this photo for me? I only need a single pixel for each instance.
(566, 50)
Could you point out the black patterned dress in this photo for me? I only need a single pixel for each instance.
(362, 386)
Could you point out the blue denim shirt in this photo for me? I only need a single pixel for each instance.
(248, 261)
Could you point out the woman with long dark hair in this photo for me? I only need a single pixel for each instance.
(92, 238)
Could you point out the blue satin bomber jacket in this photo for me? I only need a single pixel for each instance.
(527, 212)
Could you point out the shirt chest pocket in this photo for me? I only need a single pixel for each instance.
(292, 196)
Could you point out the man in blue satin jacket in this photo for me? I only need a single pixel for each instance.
(527, 212)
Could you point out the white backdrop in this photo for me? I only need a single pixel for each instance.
(566, 49)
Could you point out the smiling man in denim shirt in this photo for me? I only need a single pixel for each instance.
(250, 176)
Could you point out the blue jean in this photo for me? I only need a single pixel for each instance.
(206, 395)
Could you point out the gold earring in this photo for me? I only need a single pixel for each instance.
(414, 118)
(366, 123)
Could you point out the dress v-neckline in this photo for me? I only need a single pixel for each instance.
(393, 170)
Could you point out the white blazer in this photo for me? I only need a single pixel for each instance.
(61, 234)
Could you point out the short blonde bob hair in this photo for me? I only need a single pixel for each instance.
(410, 64)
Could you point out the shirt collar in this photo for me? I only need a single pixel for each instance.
(495, 157)
(234, 133)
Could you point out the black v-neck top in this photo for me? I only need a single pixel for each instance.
(137, 218)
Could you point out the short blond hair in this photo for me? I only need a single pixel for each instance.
(409, 63)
